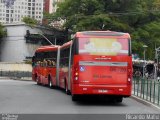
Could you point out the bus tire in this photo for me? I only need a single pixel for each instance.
(50, 82)
(74, 97)
(37, 81)
(119, 99)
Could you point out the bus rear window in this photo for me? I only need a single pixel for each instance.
(103, 46)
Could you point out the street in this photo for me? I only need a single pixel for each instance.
(25, 97)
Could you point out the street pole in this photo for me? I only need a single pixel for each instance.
(46, 38)
(55, 41)
(144, 65)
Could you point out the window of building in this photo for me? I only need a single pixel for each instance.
(11, 19)
(7, 19)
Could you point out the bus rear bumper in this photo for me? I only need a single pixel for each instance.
(121, 90)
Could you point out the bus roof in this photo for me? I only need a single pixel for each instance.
(102, 34)
(67, 44)
(47, 48)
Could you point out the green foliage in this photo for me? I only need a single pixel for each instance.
(2, 32)
(30, 21)
(140, 18)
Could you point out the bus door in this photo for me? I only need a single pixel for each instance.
(44, 73)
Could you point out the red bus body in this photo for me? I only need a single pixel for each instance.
(64, 66)
(102, 70)
(93, 63)
(44, 72)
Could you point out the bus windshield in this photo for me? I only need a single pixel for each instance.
(104, 46)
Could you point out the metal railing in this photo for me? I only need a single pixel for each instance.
(147, 89)
(16, 74)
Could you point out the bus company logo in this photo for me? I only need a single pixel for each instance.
(82, 68)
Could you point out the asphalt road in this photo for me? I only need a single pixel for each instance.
(26, 97)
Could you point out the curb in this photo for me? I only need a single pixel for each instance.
(145, 102)
(21, 80)
(11, 78)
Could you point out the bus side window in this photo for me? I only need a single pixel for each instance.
(74, 49)
(38, 63)
(49, 63)
(44, 63)
(41, 64)
(53, 63)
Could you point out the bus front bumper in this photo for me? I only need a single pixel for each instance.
(122, 90)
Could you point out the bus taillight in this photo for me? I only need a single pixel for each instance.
(76, 75)
(129, 76)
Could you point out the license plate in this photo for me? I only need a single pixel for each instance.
(102, 91)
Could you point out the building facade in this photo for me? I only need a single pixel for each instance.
(13, 48)
(50, 6)
(22, 40)
(13, 11)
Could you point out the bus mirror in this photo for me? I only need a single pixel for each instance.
(33, 61)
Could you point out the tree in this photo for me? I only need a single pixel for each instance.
(140, 18)
(2, 32)
(30, 21)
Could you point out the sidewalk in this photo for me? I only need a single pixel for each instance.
(16, 78)
(146, 99)
(145, 102)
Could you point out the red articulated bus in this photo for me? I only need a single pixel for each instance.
(97, 63)
(45, 65)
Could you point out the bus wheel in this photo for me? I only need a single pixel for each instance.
(119, 99)
(50, 83)
(74, 97)
(37, 80)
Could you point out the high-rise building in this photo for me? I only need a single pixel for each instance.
(13, 11)
(50, 6)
